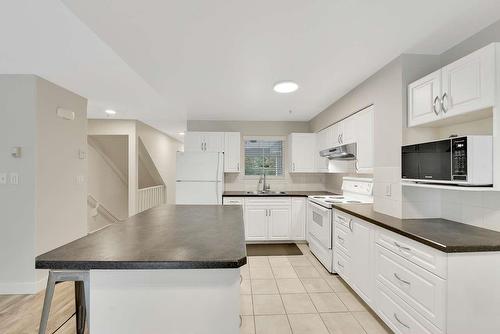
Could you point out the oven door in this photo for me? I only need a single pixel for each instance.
(320, 224)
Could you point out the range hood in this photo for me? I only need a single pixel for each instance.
(344, 152)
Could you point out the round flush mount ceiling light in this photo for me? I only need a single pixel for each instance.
(181, 133)
(110, 112)
(285, 87)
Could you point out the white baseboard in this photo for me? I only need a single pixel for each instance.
(23, 288)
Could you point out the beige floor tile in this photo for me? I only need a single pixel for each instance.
(342, 323)
(290, 285)
(327, 302)
(298, 303)
(261, 273)
(268, 304)
(284, 272)
(247, 325)
(272, 324)
(245, 272)
(245, 287)
(264, 287)
(370, 323)
(337, 284)
(299, 261)
(279, 261)
(307, 324)
(258, 261)
(307, 272)
(316, 285)
(352, 301)
(246, 305)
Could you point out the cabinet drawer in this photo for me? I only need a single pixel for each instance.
(422, 290)
(342, 239)
(268, 201)
(233, 201)
(422, 255)
(343, 219)
(398, 315)
(342, 265)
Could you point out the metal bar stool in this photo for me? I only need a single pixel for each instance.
(82, 297)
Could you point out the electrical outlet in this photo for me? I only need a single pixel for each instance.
(3, 178)
(14, 178)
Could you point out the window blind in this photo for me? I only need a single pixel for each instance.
(264, 156)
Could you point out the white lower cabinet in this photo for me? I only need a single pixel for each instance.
(415, 288)
(272, 219)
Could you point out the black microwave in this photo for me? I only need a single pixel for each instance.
(464, 160)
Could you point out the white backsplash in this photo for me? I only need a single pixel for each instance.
(290, 182)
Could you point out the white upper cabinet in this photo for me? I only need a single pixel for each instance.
(204, 141)
(469, 83)
(232, 152)
(461, 87)
(364, 122)
(424, 104)
(214, 141)
(301, 148)
(349, 128)
(321, 164)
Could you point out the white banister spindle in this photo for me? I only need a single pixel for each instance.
(150, 197)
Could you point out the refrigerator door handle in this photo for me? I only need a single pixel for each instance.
(217, 178)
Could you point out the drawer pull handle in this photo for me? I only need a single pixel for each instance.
(241, 279)
(402, 247)
(340, 265)
(241, 320)
(350, 224)
(340, 239)
(402, 323)
(401, 280)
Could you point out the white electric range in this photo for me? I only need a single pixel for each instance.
(321, 215)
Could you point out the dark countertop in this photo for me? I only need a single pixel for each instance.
(445, 235)
(166, 237)
(286, 194)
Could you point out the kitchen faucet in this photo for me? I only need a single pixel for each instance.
(265, 187)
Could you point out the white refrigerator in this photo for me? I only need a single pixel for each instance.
(200, 178)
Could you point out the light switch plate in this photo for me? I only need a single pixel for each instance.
(14, 178)
(3, 178)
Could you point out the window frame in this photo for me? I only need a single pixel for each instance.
(283, 140)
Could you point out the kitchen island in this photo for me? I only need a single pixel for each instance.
(170, 269)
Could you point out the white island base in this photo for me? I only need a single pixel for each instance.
(173, 301)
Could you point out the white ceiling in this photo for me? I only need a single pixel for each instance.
(166, 61)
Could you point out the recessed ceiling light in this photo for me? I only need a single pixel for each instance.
(181, 133)
(285, 87)
(110, 112)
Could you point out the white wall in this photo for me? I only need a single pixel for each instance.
(162, 150)
(238, 181)
(47, 208)
(126, 128)
(107, 187)
(17, 203)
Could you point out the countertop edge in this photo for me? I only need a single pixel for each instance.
(425, 241)
(139, 265)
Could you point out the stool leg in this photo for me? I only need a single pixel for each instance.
(80, 307)
(86, 289)
(49, 293)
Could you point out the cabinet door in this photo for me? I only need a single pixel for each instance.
(424, 99)
(364, 140)
(232, 147)
(301, 151)
(214, 141)
(334, 135)
(350, 129)
(469, 83)
(362, 250)
(298, 230)
(279, 223)
(256, 223)
(193, 142)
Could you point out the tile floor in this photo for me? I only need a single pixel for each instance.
(296, 295)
